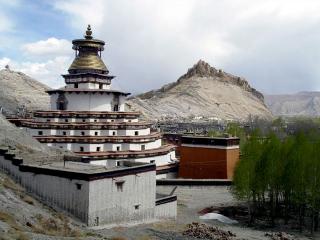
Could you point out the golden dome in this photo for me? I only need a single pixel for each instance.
(88, 60)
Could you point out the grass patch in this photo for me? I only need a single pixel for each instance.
(10, 220)
(118, 238)
(22, 236)
(27, 199)
(9, 184)
(55, 227)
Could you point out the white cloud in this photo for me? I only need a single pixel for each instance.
(45, 60)
(4, 61)
(48, 72)
(273, 43)
(48, 48)
(83, 11)
(7, 22)
(153, 42)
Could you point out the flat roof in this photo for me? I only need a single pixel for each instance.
(79, 167)
(86, 112)
(86, 90)
(86, 171)
(210, 141)
(206, 137)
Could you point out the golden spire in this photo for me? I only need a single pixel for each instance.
(88, 33)
(88, 54)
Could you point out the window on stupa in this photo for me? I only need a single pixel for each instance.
(81, 149)
(40, 133)
(119, 185)
(62, 102)
(76, 85)
(136, 133)
(143, 147)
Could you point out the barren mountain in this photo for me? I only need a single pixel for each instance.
(203, 92)
(18, 90)
(299, 104)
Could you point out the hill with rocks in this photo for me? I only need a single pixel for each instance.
(203, 93)
(19, 91)
(299, 104)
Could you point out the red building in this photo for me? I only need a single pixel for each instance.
(208, 158)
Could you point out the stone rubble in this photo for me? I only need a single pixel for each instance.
(204, 231)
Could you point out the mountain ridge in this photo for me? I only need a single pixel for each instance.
(17, 90)
(203, 69)
(304, 103)
(200, 93)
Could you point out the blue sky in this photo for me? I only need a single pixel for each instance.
(274, 44)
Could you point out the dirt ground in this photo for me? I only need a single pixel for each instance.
(23, 217)
(191, 200)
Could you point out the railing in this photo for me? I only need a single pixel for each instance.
(86, 114)
(99, 139)
(85, 126)
(129, 154)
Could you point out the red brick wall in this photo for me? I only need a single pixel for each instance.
(198, 162)
(207, 163)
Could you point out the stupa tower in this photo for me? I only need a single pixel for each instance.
(88, 117)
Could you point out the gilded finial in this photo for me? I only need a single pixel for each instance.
(88, 32)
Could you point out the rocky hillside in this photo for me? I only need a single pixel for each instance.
(299, 104)
(18, 90)
(23, 145)
(203, 92)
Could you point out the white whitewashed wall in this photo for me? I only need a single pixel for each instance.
(166, 211)
(109, 205)
(88, 102)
